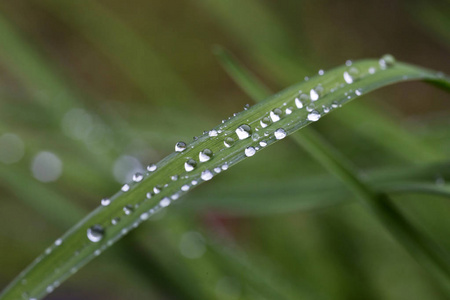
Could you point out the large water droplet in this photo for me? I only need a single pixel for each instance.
(250, 151)
(212, 133)
(105, 201)
(244, 131)
(228, 142)
(265, 122)
(152, 167)
(164, 202)
(207, 175)
(137, 177)
(298, 103)
(95, 233)
(276, 114)
(180, 146)
(190, 165)
(280, 133)
(205, 155)
(313, 116)
(125, 188)
(263, 143)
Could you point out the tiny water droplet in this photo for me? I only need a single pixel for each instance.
(314, 116)
(348, 78)
(152, 168)
(225, 166)
(149, 195)
(164, 202)
(275, 115)
(310, 107)
(246, 106)
(58, 242)
(174, 177)
(280, 133)
(180, 147)
(125, 188)
(137, 177)
(315, 93)
(386, 61)
(263, 143)
(144, 216)
(372, 70)
(321, 72)
(128, 209)
(207, 175)
(105, 201)
(185, 188)
(95, 233)
(348, 63)
(288, 111)
(212, 133)
(205, 155)
(249, 151)
(265, 122)
(358, 92)
(190, 165)
(115, 221)
(217, 170)
(255, 136)
(228, 142)
(244, 131)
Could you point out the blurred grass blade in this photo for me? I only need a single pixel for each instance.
(215, 151)
(420, 246)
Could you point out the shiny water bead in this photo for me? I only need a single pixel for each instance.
(244, 131)
(212, 133)
(313, 116)
(351, 75)
(310, 107)
(164, 202)
(128, 209)
(386, 61)
(315, 93)
(148, 195)
(265, 122)
(144, 216)
(152, 167)
(372, 70)
(280, 133)
(95, 233)
(58, 242)
(105, 201)
(255, 136)
(125, 188)
(190, 165)
(205, 155)
(250, 151)
(225, 166)
(174, 177)
(288, 111)
(348, 63)
(321, 72)
(185, 188)
(180, 146)
(157, 189)
(358, 92)
(298, 103)
(326, 109)
(228, 142)
(207, 175)
(263, 143)
(217, 170)
(276, 114)
(246, 106)
(115, 221)
(137, 177)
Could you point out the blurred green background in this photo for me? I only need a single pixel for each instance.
(93, 90)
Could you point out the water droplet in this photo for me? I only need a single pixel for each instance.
(275, 115)
(174, 177)
(157, 189)
(298, 103)
(58, 242)
(321, 72)
(386, 61)
(225, 166)
(315, 93)
(255, 136)
(144, 216)
(105, 201)
(137, 177)
(185, 188)
(249, 151)
(265, 122)
(125, 188)
(149, 195)
(263, 143)
(314, 116)
(372, 70)
(358, 92)
(115, 221)
(190, 165)
(348, 63)
(228, 142)
(212, 133)
(348, 78)
(175, 196)
(152, 168)
(180, 146)
(164, 202)
(244, 131)
(310, 107)
(288, 111)
(217, 170)
(205, 155)
(326, 109)
(246, 106)
(95, 233)
(128, 209)
(207, 175)
(280, 133)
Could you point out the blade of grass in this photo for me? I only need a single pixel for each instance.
(426, 251)
(177, 173)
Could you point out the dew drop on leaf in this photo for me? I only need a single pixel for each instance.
(105, 201)
(250, 151)
(280, 133)
(137, 177)
(190, 165)
(207, 175)
(228, 142)
(95, 233)
(313, 116)
(205, 155)
(152, 167)
(275, 115)
(180, 147)
(243, 132)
